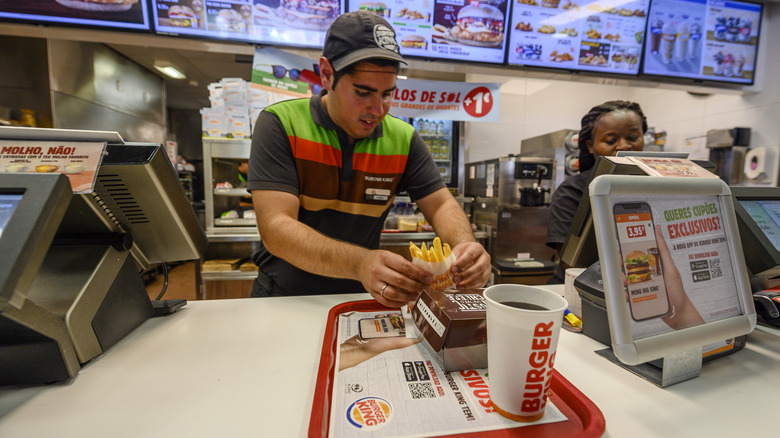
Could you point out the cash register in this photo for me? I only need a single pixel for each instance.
(70, 285)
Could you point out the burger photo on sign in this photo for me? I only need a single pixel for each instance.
(638, 266)
(301, 14)
(182, 16)
(478, 25)
(228, 20)
(99, 5)
(414, 42)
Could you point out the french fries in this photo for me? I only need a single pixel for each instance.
(437, 253)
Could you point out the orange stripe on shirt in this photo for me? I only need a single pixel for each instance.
(312, 151)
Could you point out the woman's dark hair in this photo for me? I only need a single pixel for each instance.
(587, 160)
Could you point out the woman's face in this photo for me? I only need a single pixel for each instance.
(619, 130)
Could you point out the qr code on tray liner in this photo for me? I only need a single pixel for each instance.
(715, 269)
(422, 390)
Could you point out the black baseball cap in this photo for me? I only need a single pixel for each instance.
(357, 36)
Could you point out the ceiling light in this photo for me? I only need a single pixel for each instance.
(169, 70)
(402, 77)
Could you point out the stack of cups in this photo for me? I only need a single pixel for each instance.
(523, 324)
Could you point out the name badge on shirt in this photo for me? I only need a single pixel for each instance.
(377, 194)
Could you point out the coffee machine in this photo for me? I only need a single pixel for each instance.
(727, 151)
(512, 204)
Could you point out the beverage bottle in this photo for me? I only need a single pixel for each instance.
(668, 37)
(694, 43)
(656, 28)
(440, 128)
(681, 43)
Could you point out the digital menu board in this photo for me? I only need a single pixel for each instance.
(286, 22)
(461, 30)
(713, 40)
(588, 35)
(122, 14)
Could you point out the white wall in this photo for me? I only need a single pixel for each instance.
(530, 107)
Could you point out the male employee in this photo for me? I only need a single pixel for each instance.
(323, 173)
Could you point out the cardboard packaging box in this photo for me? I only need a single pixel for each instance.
(453, 326)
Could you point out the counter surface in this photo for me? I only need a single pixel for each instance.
(247, 367)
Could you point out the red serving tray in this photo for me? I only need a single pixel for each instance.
(584, 417)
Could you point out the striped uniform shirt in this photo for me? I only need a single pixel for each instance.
(345, 192)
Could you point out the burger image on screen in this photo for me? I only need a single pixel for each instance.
(637, 267)
(414, 42)
(229, 20)
(99, 5)
(481, 25)
(182, 16)
(378, 8)
(309, 14)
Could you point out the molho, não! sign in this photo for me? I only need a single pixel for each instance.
(471, 102)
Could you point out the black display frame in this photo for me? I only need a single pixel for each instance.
(678, 79)
(73, 22)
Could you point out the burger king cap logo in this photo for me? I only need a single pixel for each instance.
(369, 413)
(385, 38)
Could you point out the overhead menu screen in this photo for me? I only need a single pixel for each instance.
(712, 40)
(766, 214)
(459, 30)
(586, 35)
(8, 204)
(299, 23)
(122, 14)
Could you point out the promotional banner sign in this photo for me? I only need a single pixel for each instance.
(291, 75)
(470, 102)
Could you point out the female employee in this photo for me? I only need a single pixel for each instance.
(607, 128)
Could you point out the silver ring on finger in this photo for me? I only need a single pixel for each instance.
(382, 292)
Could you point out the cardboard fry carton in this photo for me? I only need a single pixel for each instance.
(453, 326)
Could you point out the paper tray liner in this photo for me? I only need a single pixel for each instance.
(584, 418)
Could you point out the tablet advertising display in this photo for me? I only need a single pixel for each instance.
(711, 40)
(122, 14)
(460, 30)
(587, 35)
(298, 23)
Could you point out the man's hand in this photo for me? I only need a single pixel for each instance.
(391, 279)
(472, 265)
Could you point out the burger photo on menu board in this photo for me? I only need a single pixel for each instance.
(301, 14)
(182, 16)
(228, 20)
(480, 25)
(637, 267)
(99, 5)
(414, 42)
(378, 8)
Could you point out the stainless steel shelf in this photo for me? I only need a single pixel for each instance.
(227, 275)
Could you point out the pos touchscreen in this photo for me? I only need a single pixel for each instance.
(672, 264)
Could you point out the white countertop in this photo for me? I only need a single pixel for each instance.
(247, 367)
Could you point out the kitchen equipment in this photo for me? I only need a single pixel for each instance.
(512, 197)
(561, 145)
(727, 151)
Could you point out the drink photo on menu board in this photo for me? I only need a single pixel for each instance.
(286, 22)
(601, 35)
(446, 29)
(703, 39)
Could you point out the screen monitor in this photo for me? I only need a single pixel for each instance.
(758, 217)
(704, 40)
(459, 30)
(602, 36)
(282, 22)
(672, 265)
(71, 287)
(118, 14)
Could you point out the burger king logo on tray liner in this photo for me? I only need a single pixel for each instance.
(369, 413)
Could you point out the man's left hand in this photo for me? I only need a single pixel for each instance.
(472, 265)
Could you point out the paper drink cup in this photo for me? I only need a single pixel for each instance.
(521, 348)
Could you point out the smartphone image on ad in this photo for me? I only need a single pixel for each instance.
(381, 327)
(647, 296)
